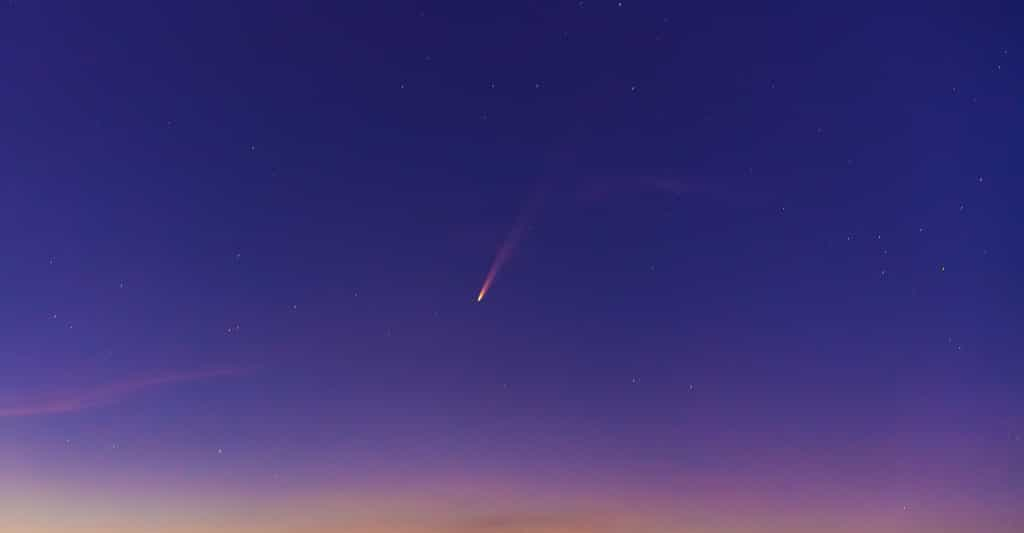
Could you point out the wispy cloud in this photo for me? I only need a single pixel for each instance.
(99, 396)
(576, 522)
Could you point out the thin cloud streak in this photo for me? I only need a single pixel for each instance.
(110, 393)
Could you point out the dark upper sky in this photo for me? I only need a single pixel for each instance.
(740, 254)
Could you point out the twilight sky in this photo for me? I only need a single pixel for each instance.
(511, 267)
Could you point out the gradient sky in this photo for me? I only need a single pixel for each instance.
(754, 270)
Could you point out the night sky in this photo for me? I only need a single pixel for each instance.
(511, 267)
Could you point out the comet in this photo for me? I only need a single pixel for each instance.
(511, 243)
(508, 246)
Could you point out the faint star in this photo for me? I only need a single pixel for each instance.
(252, 147)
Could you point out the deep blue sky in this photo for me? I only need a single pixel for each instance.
(751, 238)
